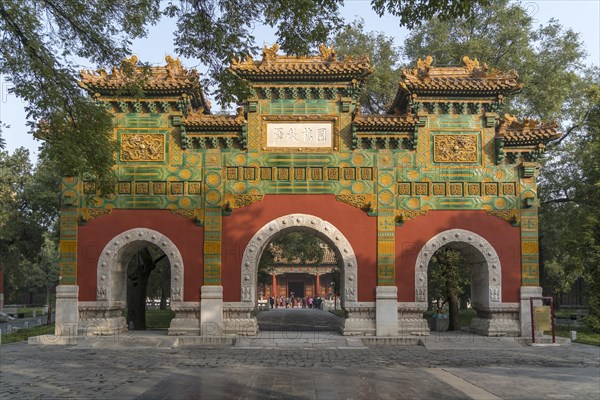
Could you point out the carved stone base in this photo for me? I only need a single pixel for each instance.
(411, 321)
(67, 313)
(187, 319)
(101, 318)
(501, 320)
(360, 319)
(211, 316)
(239, 319)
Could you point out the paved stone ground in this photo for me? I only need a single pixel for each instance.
(298, 319)
(226, 372)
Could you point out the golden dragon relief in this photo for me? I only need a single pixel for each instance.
(455, 148)
(142, 147)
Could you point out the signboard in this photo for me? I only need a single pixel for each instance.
(543, 318)
(300, 134)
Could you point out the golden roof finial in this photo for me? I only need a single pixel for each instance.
(472, 66)
(270, 53)
(327, 53)
(174, 66)
(423, 67)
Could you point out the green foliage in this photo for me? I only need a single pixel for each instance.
(29, 201)
(301, 247)
(24, 334)
(501, 34)
(570, 212)
(448, 273)
(41, 45)
(381, 86)
(413, 12)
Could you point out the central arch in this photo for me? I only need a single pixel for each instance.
(298, 222)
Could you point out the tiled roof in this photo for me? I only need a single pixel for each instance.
(197, 119)
(472, 79)
(324, 67)
(526, 132)
(172, 79)
(384, 122)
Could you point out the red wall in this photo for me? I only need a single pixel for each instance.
(94, 235)
(413, 235)
(355, 225)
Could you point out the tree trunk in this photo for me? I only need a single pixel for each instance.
(137, 285)
(163, 300)
(454, 324)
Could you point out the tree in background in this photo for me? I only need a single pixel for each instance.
(29, 201)
(381, 86)
(448, 278)
(299, 247)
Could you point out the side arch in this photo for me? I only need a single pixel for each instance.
(490, 283)
(298, 222)
(111, 284)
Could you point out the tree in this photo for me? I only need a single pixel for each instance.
(138, 272)
(159, 284)
(300, 247)
(29, 206)
(501, 34)
(382, 85)
(448, 279)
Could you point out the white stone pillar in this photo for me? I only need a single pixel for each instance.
(67, 310)
(386, 311)
(525, 314)
(211, 311)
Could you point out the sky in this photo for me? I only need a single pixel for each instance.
(582, 16)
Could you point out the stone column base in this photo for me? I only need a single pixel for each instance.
(360, 319)
(1, 301)
(211, 314)
(187, 319)
(411, 321)
(386, 311)
(500, 320)
(67, 311)
(525, 314)
(101, 318)
(239, 320)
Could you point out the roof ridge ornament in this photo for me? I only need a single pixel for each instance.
(270, 53)
(423, 67)
(327, 53)
(473, 67)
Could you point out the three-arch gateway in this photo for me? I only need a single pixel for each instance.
(441, 169)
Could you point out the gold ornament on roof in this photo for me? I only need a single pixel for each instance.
(270, 53)
(327, 53)
(423, 66)
(472, 66)
(174, 66)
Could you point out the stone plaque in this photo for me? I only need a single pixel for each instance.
(300, 134)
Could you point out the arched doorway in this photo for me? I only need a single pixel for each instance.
(493, 318)
(104, 316)
(299, 222)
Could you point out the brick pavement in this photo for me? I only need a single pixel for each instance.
(225, 372)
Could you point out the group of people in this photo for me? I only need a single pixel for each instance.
(315, 302)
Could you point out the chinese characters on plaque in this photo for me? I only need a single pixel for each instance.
(300, 134)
